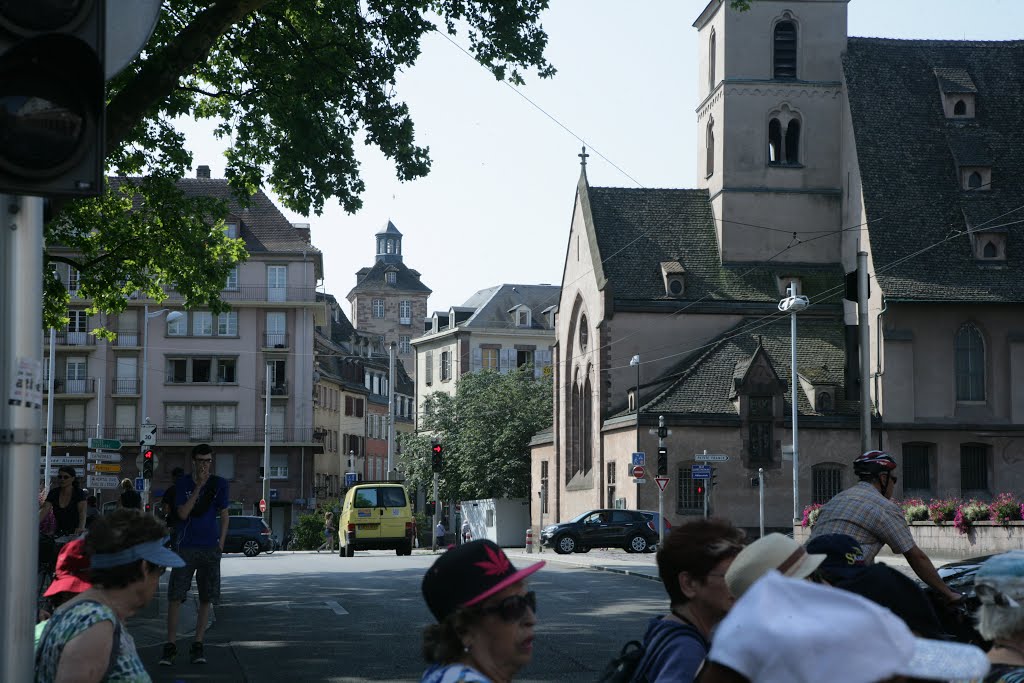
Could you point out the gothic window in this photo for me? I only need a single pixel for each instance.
(990, 250)
(774, 142)
(711, 61)
(785, 50)
(587, 422)
(793, 142)
(970, 364)
(960, 108)
(584, 333)
(711, 148)
(824, 401)
(760, 428)
(974, 180)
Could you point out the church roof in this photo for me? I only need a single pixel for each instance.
(909, 153)
(636, 230)
(372, 279)
(705, 381)
(389, 229)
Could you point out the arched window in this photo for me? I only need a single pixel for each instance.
(974, 180)
(970, 364)
(784, 58)
(380, 245)
(711, 148)
(587, 405)
(990, 250)
(824, 402)
(584, 333)
(793, 142)
(391, 246)
(711, 61)
(960, 108)
(774, 142)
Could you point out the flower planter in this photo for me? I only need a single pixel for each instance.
(983, 538)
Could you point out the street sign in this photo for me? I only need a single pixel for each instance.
(147, 435)
(140, 484)
(103, 456)
(639, 459)
(108, 468)
(700, 472)
(101, 481)
(79, 471)
(104, 444)
(638, 472)
(350, 478)
(263, 505)
(61, 460)
(662, 482)
(710, 457)
(639, 481)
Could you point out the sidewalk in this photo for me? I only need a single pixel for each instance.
(149, 626)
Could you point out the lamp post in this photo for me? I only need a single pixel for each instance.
(635, 361)
(146, 316)
(793, 304)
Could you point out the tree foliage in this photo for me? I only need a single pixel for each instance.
(485, 429)
(293, 86)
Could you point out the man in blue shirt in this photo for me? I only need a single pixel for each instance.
(201, 500)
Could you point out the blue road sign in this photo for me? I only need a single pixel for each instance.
(350, 478)
(700, 472)
(140, 484)
(639, 459)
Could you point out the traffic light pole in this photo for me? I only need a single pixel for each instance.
(662, 471)
(21, 376)
(437, 513)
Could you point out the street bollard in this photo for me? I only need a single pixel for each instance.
(529, 540)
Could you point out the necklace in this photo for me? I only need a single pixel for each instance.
(1008, 646)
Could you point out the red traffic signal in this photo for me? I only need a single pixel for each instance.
(700, 489)
(436, 457)
(147, 463)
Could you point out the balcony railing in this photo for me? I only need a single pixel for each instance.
(259, 293)
(169, 435)
(276, 388)
(275, 340)
(65, 338)
(126, 386)
(63, 385)
(128, 338)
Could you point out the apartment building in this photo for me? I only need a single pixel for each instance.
(204, 377)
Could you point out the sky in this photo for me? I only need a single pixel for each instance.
(497, 204)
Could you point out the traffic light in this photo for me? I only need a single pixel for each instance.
(436, 457)
(700, 489)
(147, 464)
(662, 461)
(52, 97)
(430, 508)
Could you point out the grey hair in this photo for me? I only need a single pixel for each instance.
(1000, 622)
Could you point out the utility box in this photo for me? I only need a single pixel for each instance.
(502, 520)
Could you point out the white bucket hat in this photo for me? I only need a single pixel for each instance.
(790, 631)
(773, 551)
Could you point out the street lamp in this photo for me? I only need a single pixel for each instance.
(793, 304)
(146, 316)
(635, 361)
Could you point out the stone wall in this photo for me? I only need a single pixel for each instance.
(944, 540)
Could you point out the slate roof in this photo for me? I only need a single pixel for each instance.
(953, 81)
(639, 229)
(908, 153)
(372, 279)
(494, 311)
(263, 227)
(389, 229)
(706, 379)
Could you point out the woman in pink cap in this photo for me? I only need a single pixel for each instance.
(485, 616)
(69, 581)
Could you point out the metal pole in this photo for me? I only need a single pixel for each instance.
(266, 449)
(52, 362)
(661, 491)
(145, 396)
(865, 351)
(543, 497)
(391, 409)
(100, 407)
(760, 495)
(794, 381)
(706, 482)
(437, 512)
(21, 369)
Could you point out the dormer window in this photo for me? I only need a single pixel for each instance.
(783, 282)
(975, 178)
(391, 277)
(989, 246)
(521, 316)
(958, 93)
(674, 276)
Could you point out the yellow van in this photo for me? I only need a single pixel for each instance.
(376, 516)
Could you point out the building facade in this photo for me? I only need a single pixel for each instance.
(815, 147)
(205, 380)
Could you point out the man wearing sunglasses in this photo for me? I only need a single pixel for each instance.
(201, 500)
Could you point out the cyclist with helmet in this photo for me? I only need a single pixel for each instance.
(866, 512)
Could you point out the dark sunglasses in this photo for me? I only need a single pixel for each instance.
(64, 476)
(513, 608)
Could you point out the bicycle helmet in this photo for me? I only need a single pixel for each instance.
(873, 463)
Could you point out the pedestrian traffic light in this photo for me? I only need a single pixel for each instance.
(662, 461)
(436, 457)
(430, 508)
(147, 463)
(700, 489)
(52, 97)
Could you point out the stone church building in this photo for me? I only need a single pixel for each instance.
(815, 146)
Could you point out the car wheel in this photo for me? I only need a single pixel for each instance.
(565, 545)
(251, 547)
(637, 544)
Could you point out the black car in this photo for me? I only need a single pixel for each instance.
(630, 530)
(959, 623)
(249, 535)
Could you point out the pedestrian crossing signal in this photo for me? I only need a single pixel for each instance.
(700, 489)
(147, 464)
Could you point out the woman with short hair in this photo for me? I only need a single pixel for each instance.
(85, 640)
(999, 585)
(67, 501)
(485, 616)
(129, 498)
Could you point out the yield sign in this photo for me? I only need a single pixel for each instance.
(662, 482)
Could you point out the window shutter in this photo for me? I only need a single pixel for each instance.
(348, 405)
(508, 360)
(478, 359)
(359, 407)
(429, 368)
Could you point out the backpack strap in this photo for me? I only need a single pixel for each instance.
(660, 641)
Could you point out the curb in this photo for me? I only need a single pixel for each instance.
(595, 567)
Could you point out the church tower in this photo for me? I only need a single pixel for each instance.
(389, 300)
(769, 127)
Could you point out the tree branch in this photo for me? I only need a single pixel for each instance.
(206, 93)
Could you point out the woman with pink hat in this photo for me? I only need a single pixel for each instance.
(485, 616)
(69, 579)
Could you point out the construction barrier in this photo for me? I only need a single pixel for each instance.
(529, 540)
